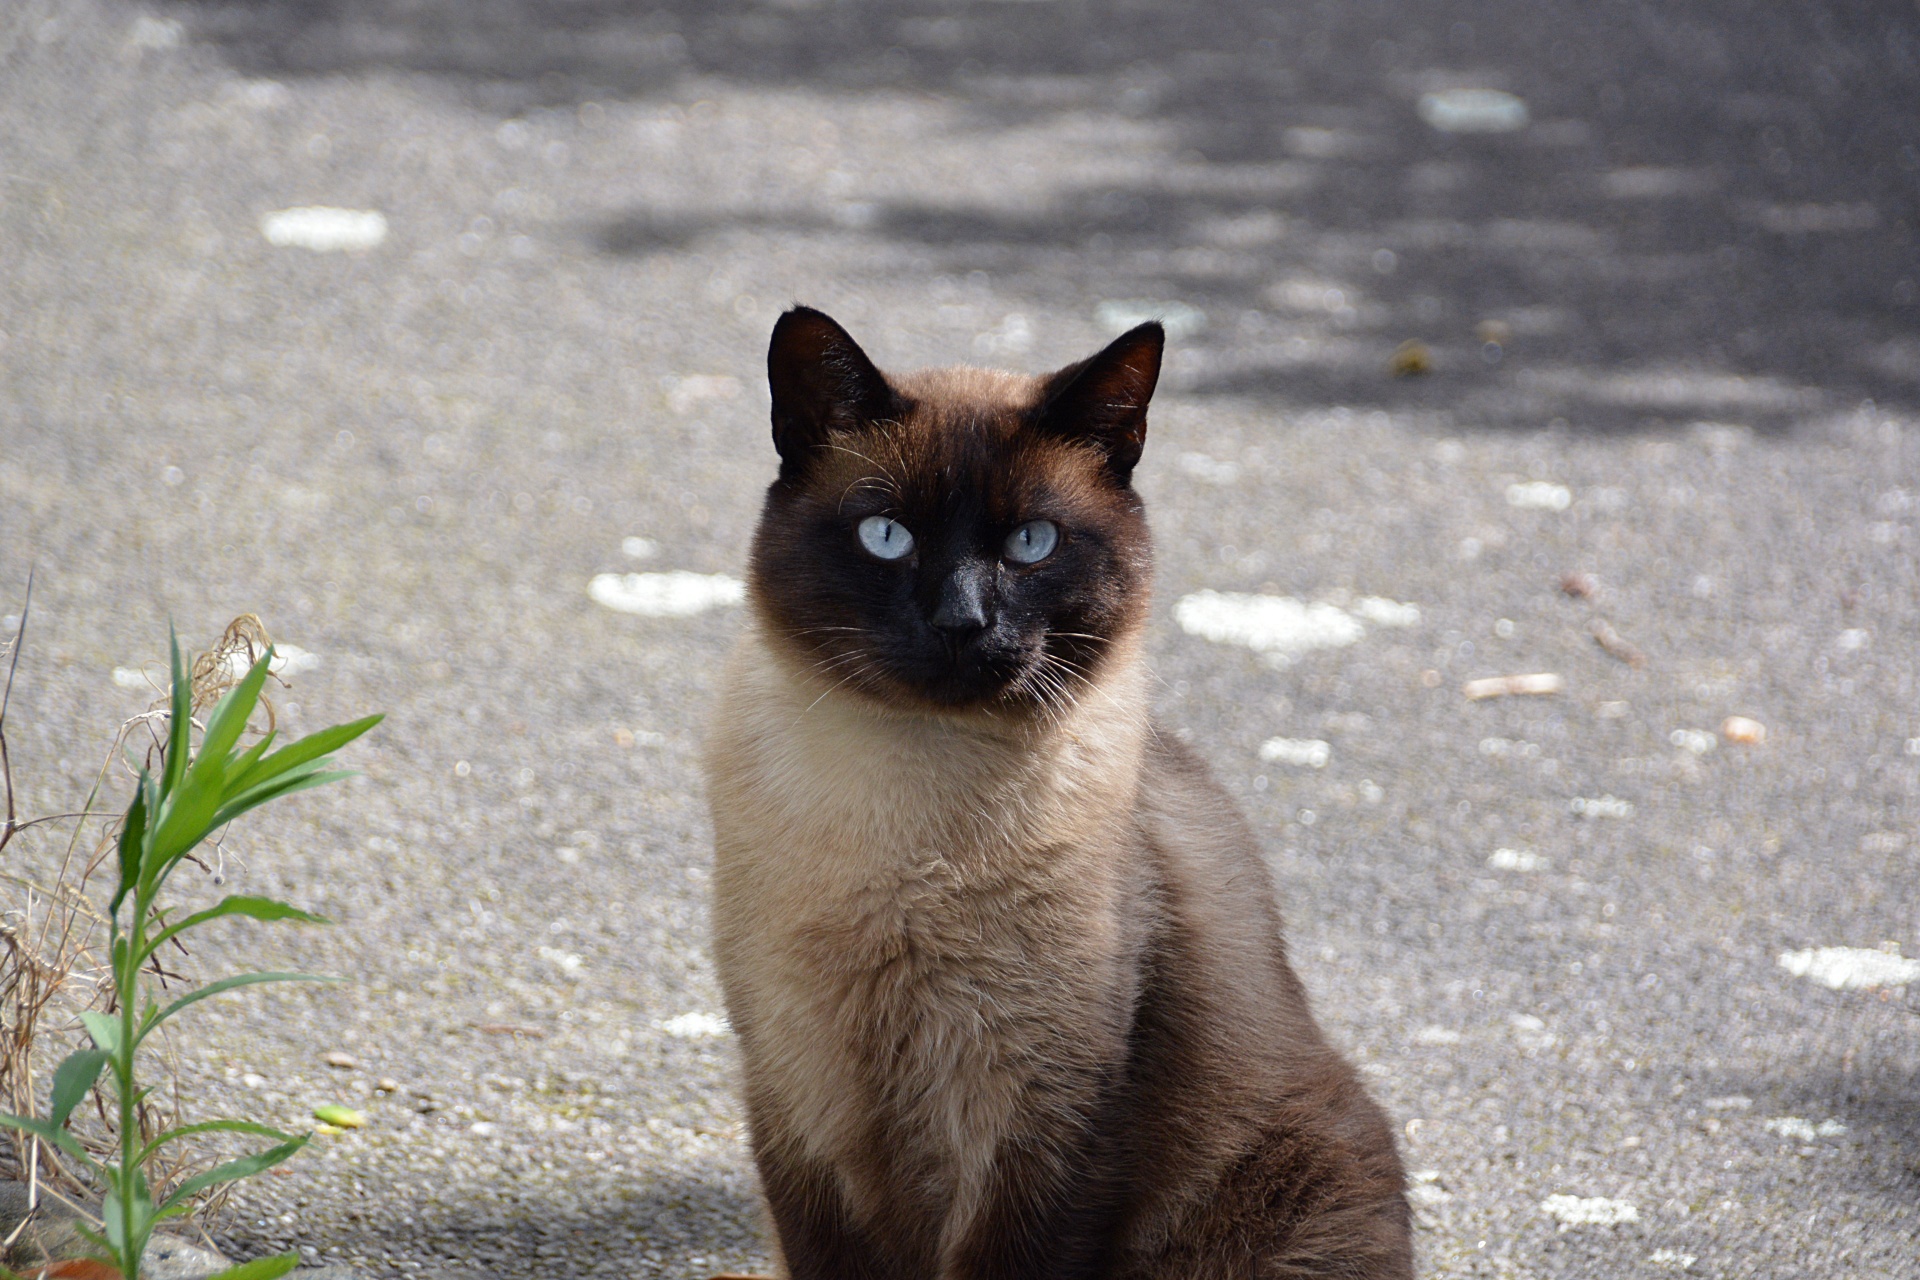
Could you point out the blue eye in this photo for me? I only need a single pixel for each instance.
(1032, 542)
(884, 538)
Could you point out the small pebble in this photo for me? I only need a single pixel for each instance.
(1742, 730)
(1410, 359)
(335, 1058)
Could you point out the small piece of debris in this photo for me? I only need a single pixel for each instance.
(1744, 731)
(335, 1058)
(1588, 1211)
(1581, 586)
(1851, 968)
(510, 1029)
(1802, 1130)
(1307, 753)
(1517, 860)
(1600, 807)
(1731, 1102)
(679, 594)
(1278, 626)
(1616, 644)
(386, 1084)
(1386, 612)
(695, 1026)
(1502, 686)
(1410, 359)
(1539, 495)
(323, 229)
(338, 1116)
(1473, 111)
(1672, 1258)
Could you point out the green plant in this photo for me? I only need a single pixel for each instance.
(194, 794)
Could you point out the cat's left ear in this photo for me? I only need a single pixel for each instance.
(1103, 399)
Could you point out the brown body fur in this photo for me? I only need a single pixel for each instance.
(1008, 976)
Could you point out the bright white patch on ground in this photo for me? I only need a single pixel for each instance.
(678, 594)
(132, 678)
(1531, 1032)
(1206, 467)
(1852, 640)
(1278, 626)
(288, 660)
(1385, 612)
(1802, 1130)
(1517, 860)
(1436, 1035)
(639, 548)
(1117, 315)
(685, 394)
(1672, 1258)
(695, 1026)
(1731, 1102)
(1588, 1211)
(1539, 495)
(1473, 111)
(1600, 807)
(1851, 968)
(1698, 741)
(1424, 1189)
(1536, 684)
(1309, 753)
(566, 962)
(323, 229)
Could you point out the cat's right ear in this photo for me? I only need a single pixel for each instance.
(822, 382)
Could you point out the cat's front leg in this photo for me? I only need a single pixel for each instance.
(819, 1236)
(1050, 1211)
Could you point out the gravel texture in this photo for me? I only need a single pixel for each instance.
(1673, 400)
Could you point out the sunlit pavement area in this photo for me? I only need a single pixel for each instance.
(1634, 977)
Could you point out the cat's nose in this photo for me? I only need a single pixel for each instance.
(962, 610)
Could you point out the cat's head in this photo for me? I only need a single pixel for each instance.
(954, 538)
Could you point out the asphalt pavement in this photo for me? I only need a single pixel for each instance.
(1567, 339)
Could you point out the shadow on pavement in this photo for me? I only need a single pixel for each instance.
(1699, 194)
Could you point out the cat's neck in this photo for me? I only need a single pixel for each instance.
(837, 760)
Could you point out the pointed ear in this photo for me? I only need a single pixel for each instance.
(1103, 399)
(822, 382)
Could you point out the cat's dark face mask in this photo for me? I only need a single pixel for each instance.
(958, 539)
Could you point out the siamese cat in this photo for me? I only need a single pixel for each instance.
(1004, 961)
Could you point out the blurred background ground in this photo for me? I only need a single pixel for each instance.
(1669, 326)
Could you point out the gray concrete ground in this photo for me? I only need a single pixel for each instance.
(1671, 324)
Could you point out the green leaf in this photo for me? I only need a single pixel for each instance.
(180, 718)
(104, 1030)
(298, 780)
(244, 1167)
(229, 719)
(212, 1126)
(58, 1136)
(71, 1080)
(236, 905)
(133, 838)
(305, 751)
(269, 1268)
(237, 980)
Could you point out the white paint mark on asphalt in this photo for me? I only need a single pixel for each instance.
(1851, 968)
(1588, 1211)
(1539, 495)
(639, 548)
(678, 594)
(1517, 860)
(1473, 111)
(1600, 807)
(323, 229)
(1307, 753)
(1672, 1258)
(1697, 741)
(1386, 612)
(1280, 627)
(1802, 1130)
(1117, 315)
(695, 1026)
